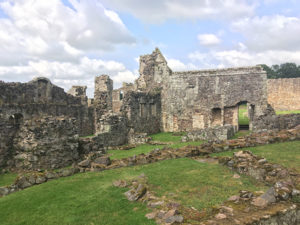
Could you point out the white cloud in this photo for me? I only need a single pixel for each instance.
(237, 58)
(177, 65)
(208, 39)
(66, 74)
(270, 32)
(52, 31)
(156, 11)
(48, 38)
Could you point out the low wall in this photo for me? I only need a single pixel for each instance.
(211, 134)
(270, 121)
(284, 94)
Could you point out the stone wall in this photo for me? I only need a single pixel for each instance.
(102, 98)
(199, 99)
(284, 94)
(143, 111)
(269, 120)
(218, 133)
(289, 217)
(40, 97)
(44, 143)
(153, 71)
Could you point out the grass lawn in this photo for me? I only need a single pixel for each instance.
(7, 179)
(146, 148)
(288, 112)
(90, 198)
(243, 115)
(241, 133)
(166, 137)
(286, 154)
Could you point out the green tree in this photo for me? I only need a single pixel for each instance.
(271, 74)
(288, 70)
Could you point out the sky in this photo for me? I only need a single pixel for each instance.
(72, 41)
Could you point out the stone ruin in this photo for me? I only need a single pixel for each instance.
(43, 127)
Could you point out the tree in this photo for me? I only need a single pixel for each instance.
(271, 74)
(286, 70)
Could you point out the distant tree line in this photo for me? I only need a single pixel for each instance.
(286, 70)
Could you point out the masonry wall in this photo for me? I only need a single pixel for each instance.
(284, 94)
(143, 111)
(269, 120)
(200, 99)
(45, 143)
(41, 98)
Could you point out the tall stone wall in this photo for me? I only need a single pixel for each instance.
(40, 97)
(153, 71)
(284, 94)
(199, 99)
(143, 111)
(102, 98)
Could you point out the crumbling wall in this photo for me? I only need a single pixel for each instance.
(153, 71)
(284, 94)
(143, 111)
(40, 97)
(200, 99)
(86, 121)
(44, 143)
(117, 100)
(102, 98)
(270, 121)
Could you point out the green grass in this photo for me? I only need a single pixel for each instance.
(165, 137)
(144, 148)
(195, 184)
(7, 179)
(243, 115)
(286, 154)
(182, 144)
(89, 198)
(288, 112)
(241, 133)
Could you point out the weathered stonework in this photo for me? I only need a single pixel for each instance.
(45, 143)
(284, 94)
(200, 99)
(219, 133)
(270, 121)
(102, 98)
(159, 100)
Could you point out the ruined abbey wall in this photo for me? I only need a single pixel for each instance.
(199, 99)
(40, 124)
(143, 111)
(284, 94)
(40, 98)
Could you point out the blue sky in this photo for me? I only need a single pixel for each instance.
(72, 41)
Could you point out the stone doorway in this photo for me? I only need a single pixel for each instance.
(243, 116)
